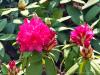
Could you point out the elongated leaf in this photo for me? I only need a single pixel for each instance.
(3, 23)
(4, 69)
(72, 69)
(91, 14)
(35, 67)
(64, 18)
(66, 52)
(50, 67)
(9, 11)
(95, 67)
(88, 69)
(64, 1)
(32, 5)
(7, 37)
(2, 51)
(90, 3)
(75, 14)
(67, 46)
(55, 54)
(79, 1)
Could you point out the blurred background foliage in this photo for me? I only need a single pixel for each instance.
(62, 15)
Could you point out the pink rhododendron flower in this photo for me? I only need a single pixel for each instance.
(35, 35)
(82, 35)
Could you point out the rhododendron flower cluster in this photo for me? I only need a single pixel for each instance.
(82, 35)
(35, 35)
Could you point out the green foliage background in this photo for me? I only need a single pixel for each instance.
(63, 16)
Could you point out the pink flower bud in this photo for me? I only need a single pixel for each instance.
(12, 64)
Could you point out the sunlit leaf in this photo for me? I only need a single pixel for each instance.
(24, 12)
(32, 5)
(64, 1)
(2, 51)
(72, 69)
(9, 11)
(96, 67)
(90, 3)
(42, 1)
(79, 1)
(17, 21)
(64, 18)
(6, 37)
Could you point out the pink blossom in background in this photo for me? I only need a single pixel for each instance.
(34, 35)
(82, 35)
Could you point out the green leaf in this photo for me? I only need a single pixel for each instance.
(50, 67)
(36, 56)
(55, 54)
(2, 51)
(4, 69)
(91, 14)
(32, 5)
(96, 44)
(96, 67)
(9, 11)
(79, 1)
(7, 37)
(3, 23)
(6, 58)
(95, 23)
(57, 13)
(75, 14)
(67, 46)
(24, 12)
(42, 1)
(64, 1)
(17, 21)
(72, 69)
(66, 52)
(9, 28)
(24, 62)
(53, 4)
(88, 70)
(90, 3)
(26, 54)
(35, 67)
(63, 18)
(71, 57)
(63, 36)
